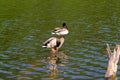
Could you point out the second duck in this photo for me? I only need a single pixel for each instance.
(61, 30)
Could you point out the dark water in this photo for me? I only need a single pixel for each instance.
(25, 24)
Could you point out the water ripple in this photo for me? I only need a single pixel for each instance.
(5, 72)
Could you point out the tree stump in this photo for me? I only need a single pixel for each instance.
(113, 58)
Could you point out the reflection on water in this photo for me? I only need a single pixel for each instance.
(59, 59)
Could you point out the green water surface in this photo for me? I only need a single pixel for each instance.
(26, 24)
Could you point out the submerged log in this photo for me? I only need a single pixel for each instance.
(113, 58)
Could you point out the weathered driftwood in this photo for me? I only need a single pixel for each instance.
(113, 58)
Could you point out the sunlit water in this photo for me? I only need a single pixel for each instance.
(25, 24)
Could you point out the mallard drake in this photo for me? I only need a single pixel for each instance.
(54, 43)
(61, 30)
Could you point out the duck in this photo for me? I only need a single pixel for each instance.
(54, 43)
(61, 30)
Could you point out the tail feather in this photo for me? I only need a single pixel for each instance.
(53, 32)
(44, 46)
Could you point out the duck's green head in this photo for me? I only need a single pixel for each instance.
(64, 24)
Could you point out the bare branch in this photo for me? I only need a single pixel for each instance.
(113, 61)
(108, 51)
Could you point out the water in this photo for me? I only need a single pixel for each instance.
(25, 24)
